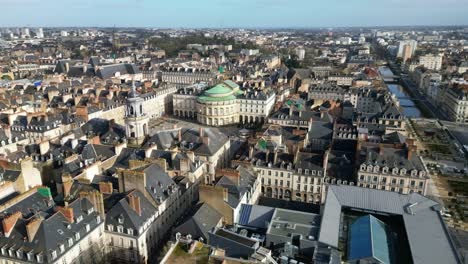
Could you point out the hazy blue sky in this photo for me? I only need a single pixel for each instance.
(232, 13)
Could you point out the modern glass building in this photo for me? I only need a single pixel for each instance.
(368, 241)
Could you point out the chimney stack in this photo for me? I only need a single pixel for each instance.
(68, 213)
(411, 148)
(310, 123)
(105, 187)
(67, 185)
(111, 124)
(206, 140)
(191, 155)
(134, 202)
(9, 223)
(32, 227)
(96, 140)
(225, 194)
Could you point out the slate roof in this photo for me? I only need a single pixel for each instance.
(128, 154)
(236, 190)
(255, 216)
(122, 214)
(390, 157)
(191, 140)
(97, 152)
(204, 220)
(54, 230)
(159, 185)
(108, 71)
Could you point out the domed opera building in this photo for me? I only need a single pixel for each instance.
(224, 104)
(218, 105)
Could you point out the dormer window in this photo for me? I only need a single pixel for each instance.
(40, 258)
(79, 218)
(130, 231)
(30, 256)
(70, 242)
(376, 169)
(4, 251)
(120, 229)
(121, 219)
(385, 170)
(54, 254)
(88, 228)
(110, 228)
(77, 236)
(62, 248)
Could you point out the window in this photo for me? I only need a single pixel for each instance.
(70, 242)
(19, 254)
(54, 254)
(120, 229)
(130, 231)
(40, 258)
(110, 228)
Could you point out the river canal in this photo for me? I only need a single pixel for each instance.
(406, 103)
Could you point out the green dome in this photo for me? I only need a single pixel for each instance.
(219, 90)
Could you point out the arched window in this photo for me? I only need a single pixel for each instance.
(141, 109)
(131, 110)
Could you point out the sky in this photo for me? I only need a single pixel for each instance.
(231, 13)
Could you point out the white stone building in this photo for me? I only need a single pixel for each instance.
(223, 104)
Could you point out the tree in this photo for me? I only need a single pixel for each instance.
(6, 77)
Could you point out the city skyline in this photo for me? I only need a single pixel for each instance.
(232, 14)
